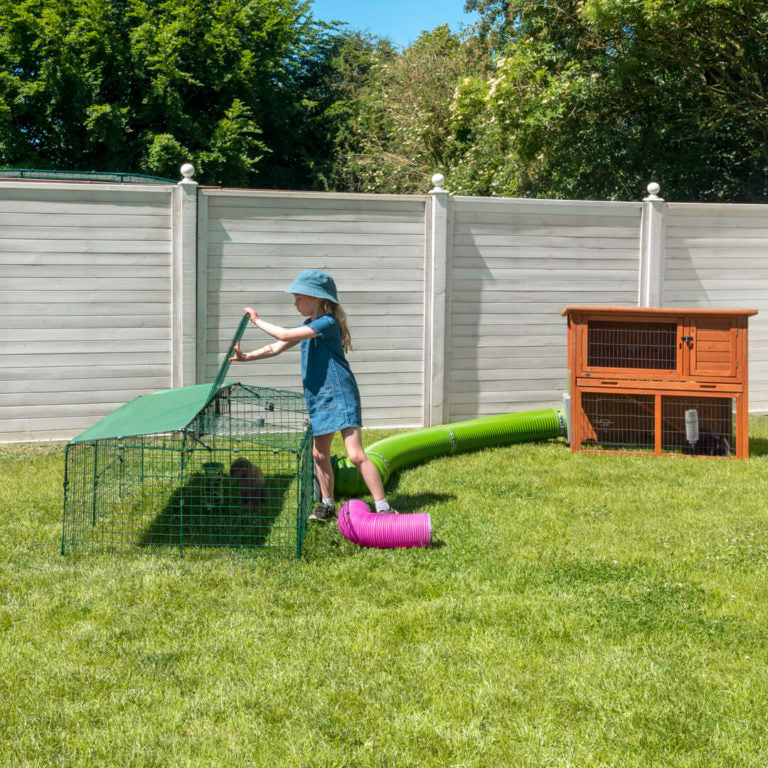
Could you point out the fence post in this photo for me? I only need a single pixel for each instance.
(184, 280)
(202, 288)
(436, 304)
(652, 241)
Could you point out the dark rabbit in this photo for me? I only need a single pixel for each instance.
(253, 487)
(709, 444)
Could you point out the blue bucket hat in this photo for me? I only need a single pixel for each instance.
(313, 282)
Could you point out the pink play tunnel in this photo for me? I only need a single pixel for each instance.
(384, 531)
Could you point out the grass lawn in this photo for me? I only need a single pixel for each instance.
(578, 610)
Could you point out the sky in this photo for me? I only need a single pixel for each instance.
(402, 21)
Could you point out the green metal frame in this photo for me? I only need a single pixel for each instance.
(207, 469)
(106, 176)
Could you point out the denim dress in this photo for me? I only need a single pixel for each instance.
(330, 389)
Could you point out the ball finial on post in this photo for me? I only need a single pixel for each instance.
(653, 193)
(438, 180)
(187, 171)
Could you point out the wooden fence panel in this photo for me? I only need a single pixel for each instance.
(374, 246)
(98, 303)
(84, 303)
(717, 256)
(514, 265)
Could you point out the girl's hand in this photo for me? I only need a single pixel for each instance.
(239, 356)
(252, 313)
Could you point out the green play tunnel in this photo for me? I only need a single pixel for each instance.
(400, 451)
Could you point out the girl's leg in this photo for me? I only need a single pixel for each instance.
(353, 442)
(321, 452)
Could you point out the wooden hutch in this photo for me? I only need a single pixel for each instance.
(658, 380)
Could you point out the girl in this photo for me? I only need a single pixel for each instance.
(330, 389)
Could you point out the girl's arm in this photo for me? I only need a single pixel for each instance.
(270, 350)
(282, 334)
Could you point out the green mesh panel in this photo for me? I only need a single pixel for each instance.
(230, 475)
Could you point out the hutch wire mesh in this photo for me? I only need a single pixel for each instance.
(222, 469)
(639, 345)
(627, 422)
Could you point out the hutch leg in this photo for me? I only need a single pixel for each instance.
(742, 427)
(577, 420)
(657, 424)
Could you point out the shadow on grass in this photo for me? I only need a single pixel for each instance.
(758, 446)
(206, 514)
(414, 503)
(409, 503)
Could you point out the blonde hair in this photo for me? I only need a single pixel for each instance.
(329, 308)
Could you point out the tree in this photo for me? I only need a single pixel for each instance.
(348, 68)
(396, 135)
(594, 98)
(147, 84)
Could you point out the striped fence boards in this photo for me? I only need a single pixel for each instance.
(95, 298)
(515, 265)
(84, 303)
(256, 243)
(717, 256)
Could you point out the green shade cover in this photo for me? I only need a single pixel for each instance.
(224, 367)
(168, 410)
